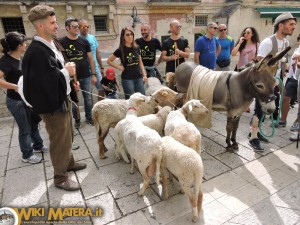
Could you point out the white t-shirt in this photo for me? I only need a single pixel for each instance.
(266, 46)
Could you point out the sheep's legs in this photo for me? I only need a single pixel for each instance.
(146, 180)
(102, 148)
(165, 182)
(132, 166)
(200, 199)
(193, 202)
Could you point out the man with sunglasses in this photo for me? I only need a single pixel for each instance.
(227, 44)
(207, 48)
(78, 50)
(84, 29)
(176, 48)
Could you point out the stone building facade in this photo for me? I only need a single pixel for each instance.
(108, 17)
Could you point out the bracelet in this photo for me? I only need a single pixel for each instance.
(102, 68)
(93, 74)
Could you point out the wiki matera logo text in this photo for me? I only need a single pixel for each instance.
(8, 216)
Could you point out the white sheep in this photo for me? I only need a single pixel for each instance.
(183, 131)
(184, 163)
(142, 143)
(108, 112)
(156, 121)
(153, 84)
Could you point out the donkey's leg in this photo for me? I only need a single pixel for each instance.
(233, 136)
(229, 129)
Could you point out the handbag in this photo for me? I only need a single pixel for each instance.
(223, 63)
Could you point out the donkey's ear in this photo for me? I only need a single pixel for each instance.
(278, 56)
(263, 62)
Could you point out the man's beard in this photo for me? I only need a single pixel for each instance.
(145, 35)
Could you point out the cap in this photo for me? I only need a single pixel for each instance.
(282, 17)
(40, 12)
(110, 74)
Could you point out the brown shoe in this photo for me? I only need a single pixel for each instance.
(77, 166)
(68, 185)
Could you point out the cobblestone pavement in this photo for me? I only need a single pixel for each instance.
(240, 188)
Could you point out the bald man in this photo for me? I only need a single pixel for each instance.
(176, 48)
(227, 44)
(148, 46)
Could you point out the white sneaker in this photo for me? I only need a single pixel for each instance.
(44, 149)
(33, 159)
(75, 146)
(294, 137)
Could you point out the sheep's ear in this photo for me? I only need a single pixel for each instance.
(164, 93)
(190, 107)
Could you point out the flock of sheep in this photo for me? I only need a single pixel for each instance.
(159, 143)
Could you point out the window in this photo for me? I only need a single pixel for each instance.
(13, 24)
(100, 23)
(200, 20)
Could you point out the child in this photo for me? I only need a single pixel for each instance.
(110, 84)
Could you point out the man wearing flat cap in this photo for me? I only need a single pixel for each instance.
(46, 88)
(284, 25)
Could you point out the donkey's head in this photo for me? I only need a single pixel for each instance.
(262, 81)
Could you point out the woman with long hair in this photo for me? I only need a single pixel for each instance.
(14, 45)
(247, 47)
(133, 71)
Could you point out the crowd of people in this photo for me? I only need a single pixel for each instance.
(74, 62)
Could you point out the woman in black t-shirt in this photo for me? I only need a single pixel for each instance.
(14, 45)
(133, 71)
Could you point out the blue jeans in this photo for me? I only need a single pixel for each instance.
(112, 96)
(98, 84)
(85, 85)
(132, 86)
(28, 129)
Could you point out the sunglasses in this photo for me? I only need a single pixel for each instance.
(247, 32)
(127, 35)
(75, 26)
(222, 30)
(178, 26)
(214, 28)
(86, 26)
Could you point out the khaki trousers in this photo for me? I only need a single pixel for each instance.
(60, 130)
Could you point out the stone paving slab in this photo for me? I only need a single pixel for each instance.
(239, 188)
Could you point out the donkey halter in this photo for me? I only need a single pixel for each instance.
(265, 98)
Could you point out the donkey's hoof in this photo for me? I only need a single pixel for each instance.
(229, 149)
(235, 147)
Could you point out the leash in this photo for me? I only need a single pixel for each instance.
(279, 113)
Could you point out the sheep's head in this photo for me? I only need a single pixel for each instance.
(136, 100)
(195, 107)
(163, 112)
(164, 94)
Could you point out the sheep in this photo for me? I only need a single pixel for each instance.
(156, 121)
(187, 166)
(153, 84)
(108, 112)
(142, 143)
(183, 131)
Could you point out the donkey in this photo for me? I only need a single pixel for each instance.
(235, 91)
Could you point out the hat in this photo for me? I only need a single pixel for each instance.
(283, 17)
(40, 12)
(110, 74)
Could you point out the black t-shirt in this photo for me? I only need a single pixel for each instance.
(77, 52)
(168, 45)
(12, 69)
(110, 84)
(148, 50)
(130, 63)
